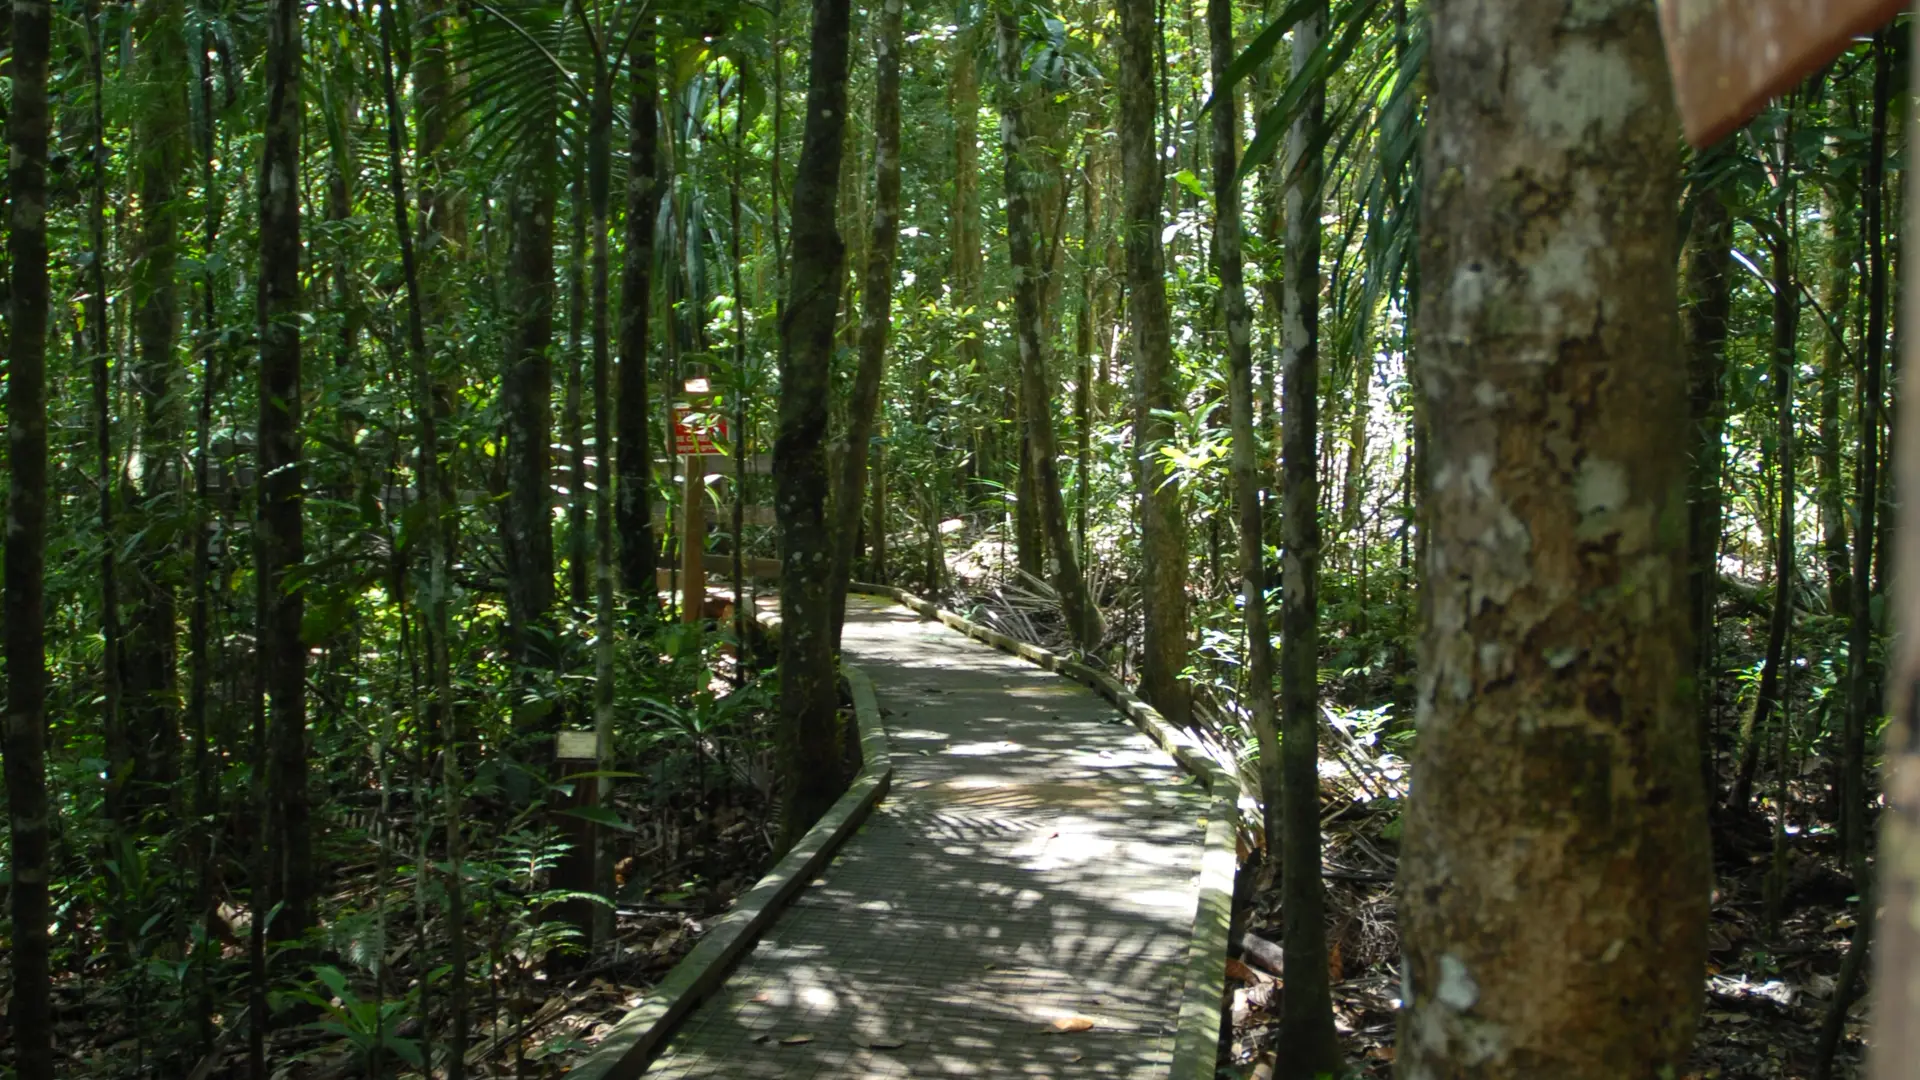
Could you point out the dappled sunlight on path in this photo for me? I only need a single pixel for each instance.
(1033, 868)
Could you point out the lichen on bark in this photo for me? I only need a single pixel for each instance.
(1554, 876)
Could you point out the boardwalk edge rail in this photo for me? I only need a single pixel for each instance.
(1196, 1048)
(632, 1044)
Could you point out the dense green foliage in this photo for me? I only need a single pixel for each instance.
(465, 595)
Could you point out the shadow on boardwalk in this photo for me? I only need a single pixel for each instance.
(1033, 863)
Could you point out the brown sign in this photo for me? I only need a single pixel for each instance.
(1729, 56)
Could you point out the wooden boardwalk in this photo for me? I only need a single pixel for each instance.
(1020, 904)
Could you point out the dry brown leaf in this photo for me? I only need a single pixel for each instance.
(1238, 970)
(1072, 1023)
(763, 996)
(796, 1040)
(877, 1042)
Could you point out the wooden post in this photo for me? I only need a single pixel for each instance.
(693, 541)
(576, 753)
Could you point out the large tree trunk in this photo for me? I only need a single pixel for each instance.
(279, 541)
(639, 550)
(29, 1011)
(1306, 1023)
(1163, 551)
(1042, 463)
(1246, 478)
(1786, 328)
(809, 691)
(1709, 284)
(876, 302)
(1863, 694)
(526, 390)
(1554, 879)
(1896, 1009)
(151, 695)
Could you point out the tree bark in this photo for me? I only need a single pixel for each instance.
(1863, 689)
(600, 195)
(965, 271)
(526, 389)
(809, 692)
(1835, 299)
(150, 692)
(1042, 463)
(1238, 318)
(639, 549)
(1163, 552)
(876, 301)
(572, 435)
(1786, 327)
(29, 1011)
(432, 487)
(1896, 1009)
(280, 544)
(200, 661)
(1709, 284)
(99, 339)
(1306, 1021)
(1554, 874)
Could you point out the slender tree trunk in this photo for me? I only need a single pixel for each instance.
(877, 522)
(1238, 318)
(1709, 283)
(965, 270)
(1163, 552)
(1043, 454)
(1786, 326)
(742, 616)
(6, 55)
(152, 719)
(1833, 363)
(579, 536)
(1554, 875)
(100, 344)
(1307, 1019)
(443, 207)
(280, 544)
(526, 389)
(876, 301)
(432, 487)
(809, 692)
(1083, 371)
(639, 549)
(29, 1010)
(1863, 690)
(600, 194)
(199, 611)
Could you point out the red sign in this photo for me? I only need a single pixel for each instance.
(697, 431)
(1729, 56)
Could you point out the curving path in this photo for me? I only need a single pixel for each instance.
(1034, 862)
